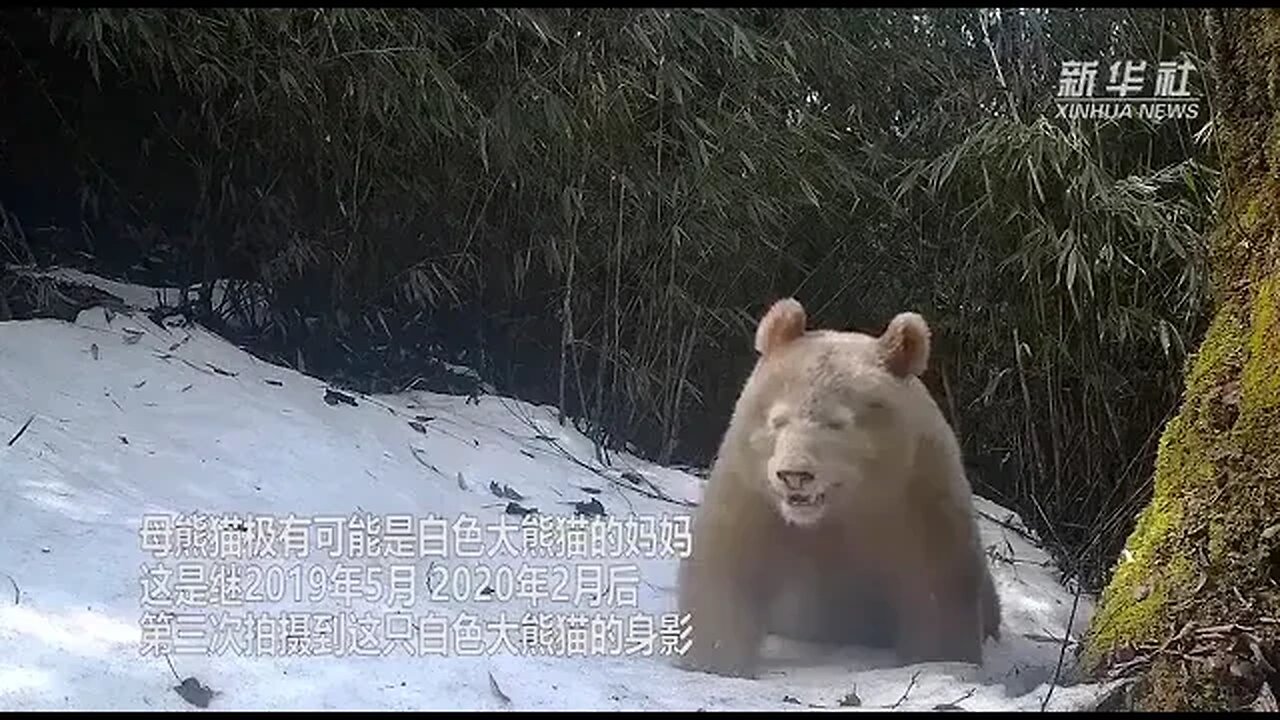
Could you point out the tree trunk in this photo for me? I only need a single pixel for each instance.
(1193, 608)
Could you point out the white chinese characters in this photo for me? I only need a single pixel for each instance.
(354, 585)
(1130, 90)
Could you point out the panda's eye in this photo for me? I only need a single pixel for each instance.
(778, 422)
(837, 419)
(873, 411)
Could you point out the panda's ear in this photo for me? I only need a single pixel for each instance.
(782, 324)
(904, 346)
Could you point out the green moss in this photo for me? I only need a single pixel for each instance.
(1218, 356)
(1215, 487)
(1199, 547)
(1253, 212)
(1155, 567)
(1219, 540)
(1131, 605)
(1261, 377)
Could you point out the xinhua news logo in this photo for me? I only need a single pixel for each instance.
(1126, 91)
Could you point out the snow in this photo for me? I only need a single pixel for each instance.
(180, 426)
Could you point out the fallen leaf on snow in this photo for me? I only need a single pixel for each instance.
(194, 692)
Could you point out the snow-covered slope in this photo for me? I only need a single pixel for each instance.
(130, 439)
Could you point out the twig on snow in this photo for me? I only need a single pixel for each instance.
(414, 451)
(17, 594)
(914, 677)
(1021, 532)
(1062, 649)
(21, 430)
(172, 669)
(497, 691)
(955, 704)
(654, 494)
